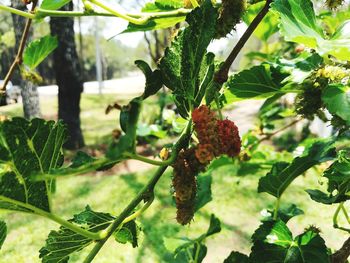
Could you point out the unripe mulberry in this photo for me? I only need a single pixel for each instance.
(184, 182)
(205, 153)
(205, 126)
(230, 14)
(334, 4)
(230, 142)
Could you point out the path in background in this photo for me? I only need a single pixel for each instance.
(128, 85)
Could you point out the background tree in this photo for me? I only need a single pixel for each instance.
(68, 78)
(29, 90)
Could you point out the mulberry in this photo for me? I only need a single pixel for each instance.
(184, 182)
(205, 126)
(230, 142)
(205, 153)
(230, 14)
(334, 4)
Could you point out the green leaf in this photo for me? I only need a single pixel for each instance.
(128, 233)
(181, 64)
(206, 74)
(62, 243)
(3, 232)
(204, 191)
(258, 82)
(267, 27)
(282, 174)
(169, 4)
(338, 175)
(236, 257)
(155, 24)
(298, 24)
(129, 116)
(284, 213)
(298, 21)
(27, 148)
(38, 50)
(336, 97)
(153, 79)
(273, 242)
(53, 4)
(214, 226)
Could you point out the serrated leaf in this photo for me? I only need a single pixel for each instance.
(181, 64)
(298, 24)
(204, 191)
(153, 79)
(282, 174)
(258, 82)
(62, 243)
(273, 242)
(27, 148)
(38, 50)
(337, 100)
(267, 27)
(236, 257)
(53, 4)
(128, 233)
(3, 232)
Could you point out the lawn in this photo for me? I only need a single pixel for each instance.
(235, 202)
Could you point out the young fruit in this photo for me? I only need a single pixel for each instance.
(230, 142)
(230, 14)
(186, 168)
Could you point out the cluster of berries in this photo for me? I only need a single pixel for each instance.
(309, 102)
(216, 137)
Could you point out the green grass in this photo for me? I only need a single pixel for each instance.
(235, 202)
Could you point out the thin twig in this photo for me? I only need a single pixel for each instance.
(19, 57)
(221, 75)
(268, 136)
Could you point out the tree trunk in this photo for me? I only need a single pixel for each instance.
(29, 90)
(68, 78)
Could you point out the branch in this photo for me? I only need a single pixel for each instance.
(142, 195)
(144, 17)
(268, 136)
(19, 57)
(342, 254)
(221, 76)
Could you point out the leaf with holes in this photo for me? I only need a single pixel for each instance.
(27, 148)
